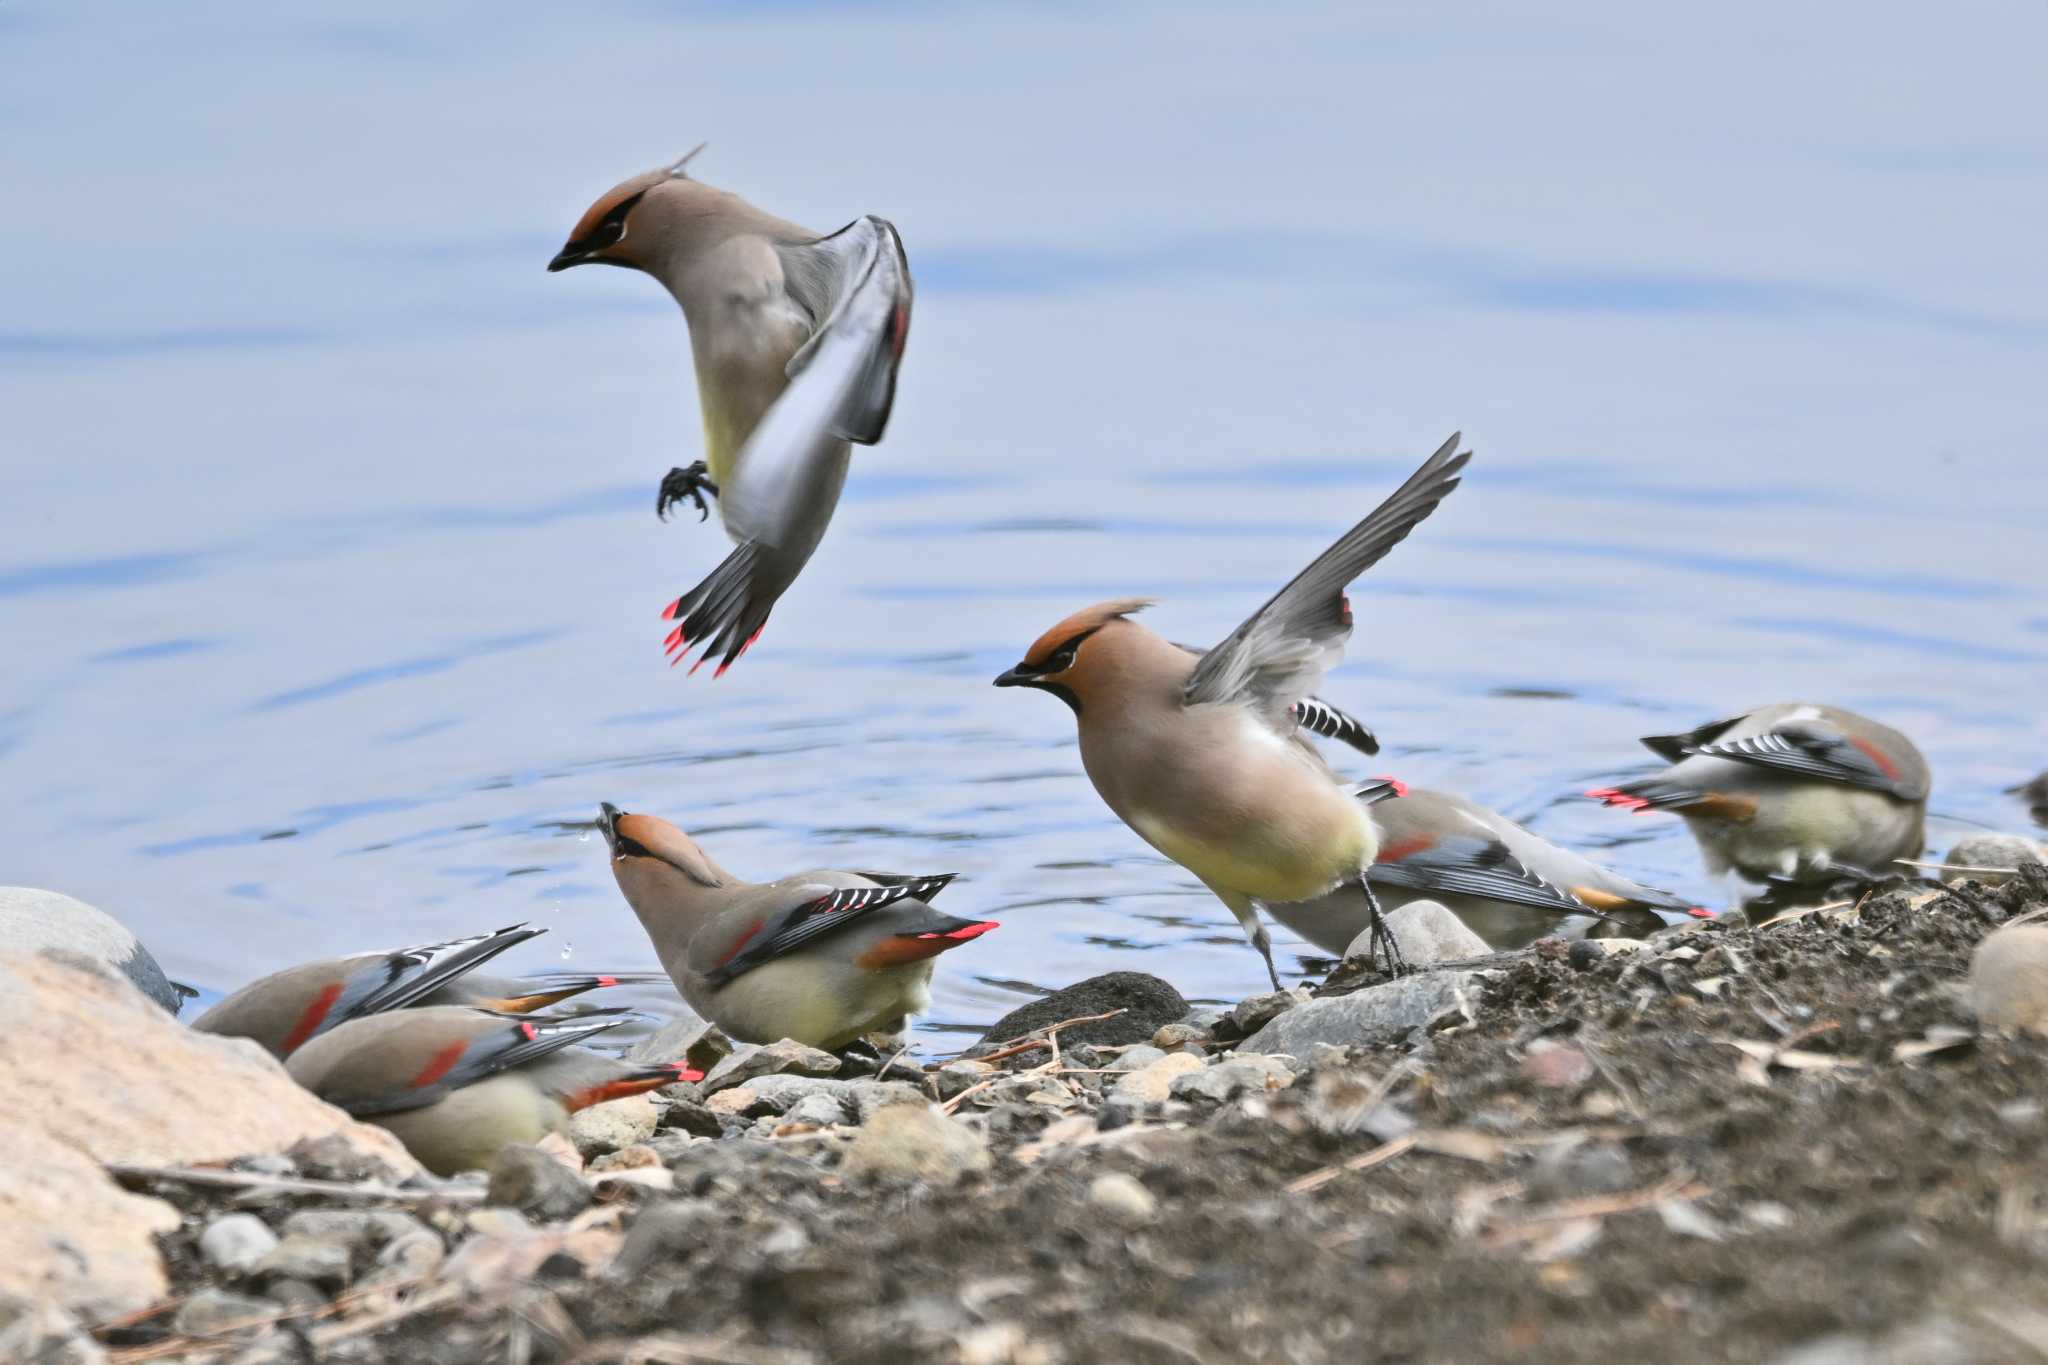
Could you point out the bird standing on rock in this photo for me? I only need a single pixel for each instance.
(1796, 792)
(822, 957)
(797, 338)
(456, 1084)
(1204, 756)
(1507, 884)
(289, 1008)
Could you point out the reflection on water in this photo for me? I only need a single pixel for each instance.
(328, 567)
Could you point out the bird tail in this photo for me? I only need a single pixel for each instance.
(634, 1082)
(726, 612)
(1379, 789)
(552, 988)
(1649, 794)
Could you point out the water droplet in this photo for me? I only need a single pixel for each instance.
(567, 948)
(584, 837)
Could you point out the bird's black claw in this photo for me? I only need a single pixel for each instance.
(692, 483)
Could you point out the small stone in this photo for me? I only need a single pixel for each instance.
(957, 1076)
(507, 1225)
(1428, 933)
(662, 1231)
(1572, 1169)
(738, 1100)
(236, 1241)
(1766, 1215)
(1244, 1074)
(684, 1038)
(2020, 1113)
(820, 1111)
(213, 1311)
(785, 1058)
(1386, 1013)
(415, 1254)
(784, 1239)
(2000, 851)
(2008, 985)
(1123, 1199)
(614, 1124)
(294, 1294)
(1255, 1013)
(351, 1227)
(1154, 1084)
(914, 1142)
(693, 1117)
(1556, 1066)
(1137, 1058)
(639, 1156)
(1181, 1037)
(42, 1332)
(1145, 1002)
(299, 1257)
(524, 1177)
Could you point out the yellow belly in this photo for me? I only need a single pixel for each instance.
(1291, 862)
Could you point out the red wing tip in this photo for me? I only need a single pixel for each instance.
(685, 1072)
(1400, 787)
(1614, 797)
(673, 638)
(1701, 912)
(604, 981)
(530, 1031)
(965, 932)
(668, 613)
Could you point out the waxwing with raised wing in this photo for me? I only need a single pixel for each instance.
(1797, 792)
(822, 957)
(456, 1084)
(1204, 755)
(797, 337)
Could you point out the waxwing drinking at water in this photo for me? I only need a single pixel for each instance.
(1796, 793)
(455, 1084)
(797, 338)
(1203, 756)
(822, 957)
(289, 1008)
(1509, 885)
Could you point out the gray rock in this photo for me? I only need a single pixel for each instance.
(685, 1038)
(1181, 1037)
(614, 1124)
(45, 1334)
(1147, 1004)
(1153, 1084)
(212, 1311)
(369, 1228)
(1226, 1080)
(1137, 1058)
(914, 1142)
(821, 1111)
(692, 1117)
(1255, 1013)
(236, 1241)
(1994, 851)
(860, 1098)
(671, 1229)
(1380, 1014)
(752, 1060)
(1428, 933)
(954, 1077)
(300, 1257)
(411, 1256)
(526, 1178)
(41, 921)
(294, 1294)
(2008, 985)
(1123, 1199)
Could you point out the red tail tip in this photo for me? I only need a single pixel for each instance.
(1701, 912)
(674, 638)
(530, 1031)
(966, 931)
(1400, 787)
(607, 981)
(668, 613)
(685, 1072)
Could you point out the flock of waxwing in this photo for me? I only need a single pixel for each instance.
(797, 339)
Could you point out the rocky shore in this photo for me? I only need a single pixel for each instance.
(1789, 1141)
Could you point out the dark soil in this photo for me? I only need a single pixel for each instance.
(1859, 1193)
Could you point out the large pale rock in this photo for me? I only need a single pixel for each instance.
(2009, 978)
(914, 1142)
(2000, 851)
(1378, 1014)
(95, 1072)
(614, 1124)
(1427, 933)
(33, 921)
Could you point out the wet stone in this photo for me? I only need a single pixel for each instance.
(691, 1116)
(1146, 1003)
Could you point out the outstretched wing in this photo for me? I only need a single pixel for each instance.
(785, 931)
(1813, 748)
(498, 1043)
(1279, 654)
(409, 975)
(842, 382)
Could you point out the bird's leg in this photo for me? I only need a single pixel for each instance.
(1382, 936)
(1254, 929)
(692, 483)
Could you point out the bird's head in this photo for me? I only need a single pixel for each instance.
(634, 221)
(1079, 652)
(658, 867)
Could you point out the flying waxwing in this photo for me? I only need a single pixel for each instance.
(1797, 792)
(1509, 885)
(1204, 756)
(288, 1008)
(821, 957)
(455, 1084)
(797, 338)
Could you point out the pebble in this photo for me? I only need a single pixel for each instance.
(1123, 1198)
(1153, 1084)
(1991, 850)
(234, 1242)
(1255, 1013)
(301, 1257)
(2008, 986)
(640, 1156)
(526, 1178)
(294, 1294)
(1136, 1058)
(693, 1117)
(954, 1077)
(47, 1334)
(415, 1254)
(352, 1227)
(785, 1058)
(1428, 933)
(212, 1311)
(1556, 1066)
(507, 1225)
(735, 1101)
(1181, 1037)
(674, 1227)
(914, 1142)
(820, 1111)
(1234, 1076)
(1570, 1170)
(614, 1124)
(1386, 1013)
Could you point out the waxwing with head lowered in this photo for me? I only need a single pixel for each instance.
(822, 957)
(797, 337)
(1508, 884)
(289, 1008)
(1797, 792)
(455, 1084)
(1204, 755)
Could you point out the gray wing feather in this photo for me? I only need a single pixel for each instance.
(1279, 654)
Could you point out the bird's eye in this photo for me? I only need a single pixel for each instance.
(629, 847)
(1061, 661)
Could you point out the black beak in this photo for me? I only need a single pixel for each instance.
(608, 825)
(1020, 676)
(568, 256)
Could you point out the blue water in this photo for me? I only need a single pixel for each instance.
(328, 569)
